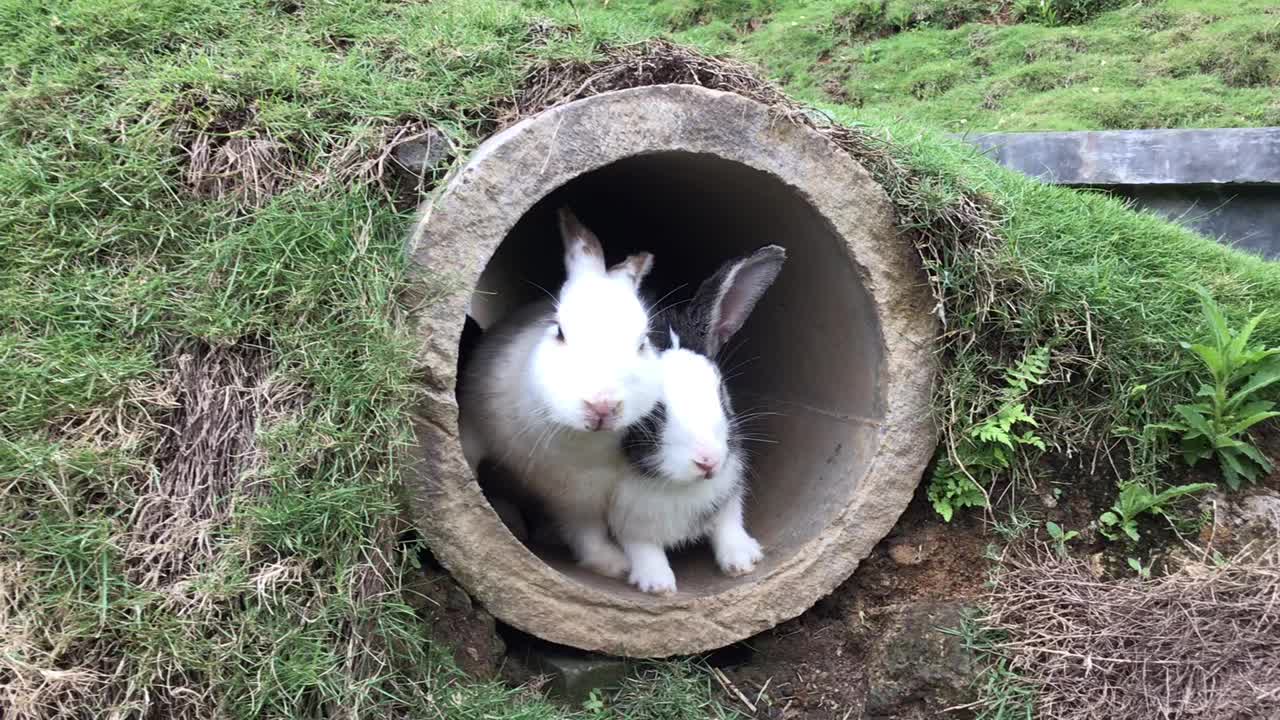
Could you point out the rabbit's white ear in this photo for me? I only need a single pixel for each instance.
(582, 251)
(634, 268)
(726, 299)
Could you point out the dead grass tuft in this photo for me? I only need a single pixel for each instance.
(129, 425)
(1201, 642)
(376, 157)
(207, 459)
(231, 159)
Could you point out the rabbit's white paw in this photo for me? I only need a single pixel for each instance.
(605, 559)
(738, 555)
(653, 577)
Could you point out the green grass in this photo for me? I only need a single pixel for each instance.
(112, 267)
(981, 65)
(118, 256)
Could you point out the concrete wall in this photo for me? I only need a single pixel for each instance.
(1223, 183)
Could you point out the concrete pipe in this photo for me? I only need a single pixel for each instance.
(840, 349)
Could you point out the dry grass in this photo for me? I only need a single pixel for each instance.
(207, 461)
(1201, 642)
(250, 169)
(194, 440)
(369, 159)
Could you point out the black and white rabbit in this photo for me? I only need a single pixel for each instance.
(550, 390)
(687, 466)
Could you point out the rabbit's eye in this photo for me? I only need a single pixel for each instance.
(644, 345)
(559, 333)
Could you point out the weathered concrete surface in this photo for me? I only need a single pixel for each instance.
(1245, 156)
(1246, 217)
(460, 230)
(1223, 183)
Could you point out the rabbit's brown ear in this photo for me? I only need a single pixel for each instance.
(635, 267)
(582, 250)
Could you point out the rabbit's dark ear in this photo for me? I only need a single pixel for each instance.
(582, 250)
(725, 299)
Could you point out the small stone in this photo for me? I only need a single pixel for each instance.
(914, 667)
(906, 554)
(456, 598)
(422, 157)
(1049, 500)
(572, 675)
(1097, 565)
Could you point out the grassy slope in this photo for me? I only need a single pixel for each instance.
(111, 265)
(975, 65)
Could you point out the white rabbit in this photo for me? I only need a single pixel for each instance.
(550, 390)
(686, 478)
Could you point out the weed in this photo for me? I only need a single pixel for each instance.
(1144, 571)
(1044, 12)
(990, 446)
(1002, 692)
(1060, 537)
(1239, 372)
(1013, 524)
(1135, 499)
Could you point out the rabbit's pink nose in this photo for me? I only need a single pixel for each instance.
(598, 411)
(706, 464)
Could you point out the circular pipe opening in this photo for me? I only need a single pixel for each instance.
(814, 381)
(838, 353)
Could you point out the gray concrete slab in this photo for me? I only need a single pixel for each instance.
(1222, 183)
(1243, 156)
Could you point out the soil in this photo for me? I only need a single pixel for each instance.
(457, 624)
(816, 665)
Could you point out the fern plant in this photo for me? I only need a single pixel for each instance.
(1217, 425)
(991, 445)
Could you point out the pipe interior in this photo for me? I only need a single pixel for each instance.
(811, 352)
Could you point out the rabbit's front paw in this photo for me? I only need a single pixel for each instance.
(654, 578)
(739, 555)
(606, 560)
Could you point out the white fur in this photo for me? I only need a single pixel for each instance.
(524, 404)
(604, 325)
(696, 424)
(651, 514)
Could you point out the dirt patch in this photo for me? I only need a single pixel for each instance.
(816, 666)
(457, 624)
